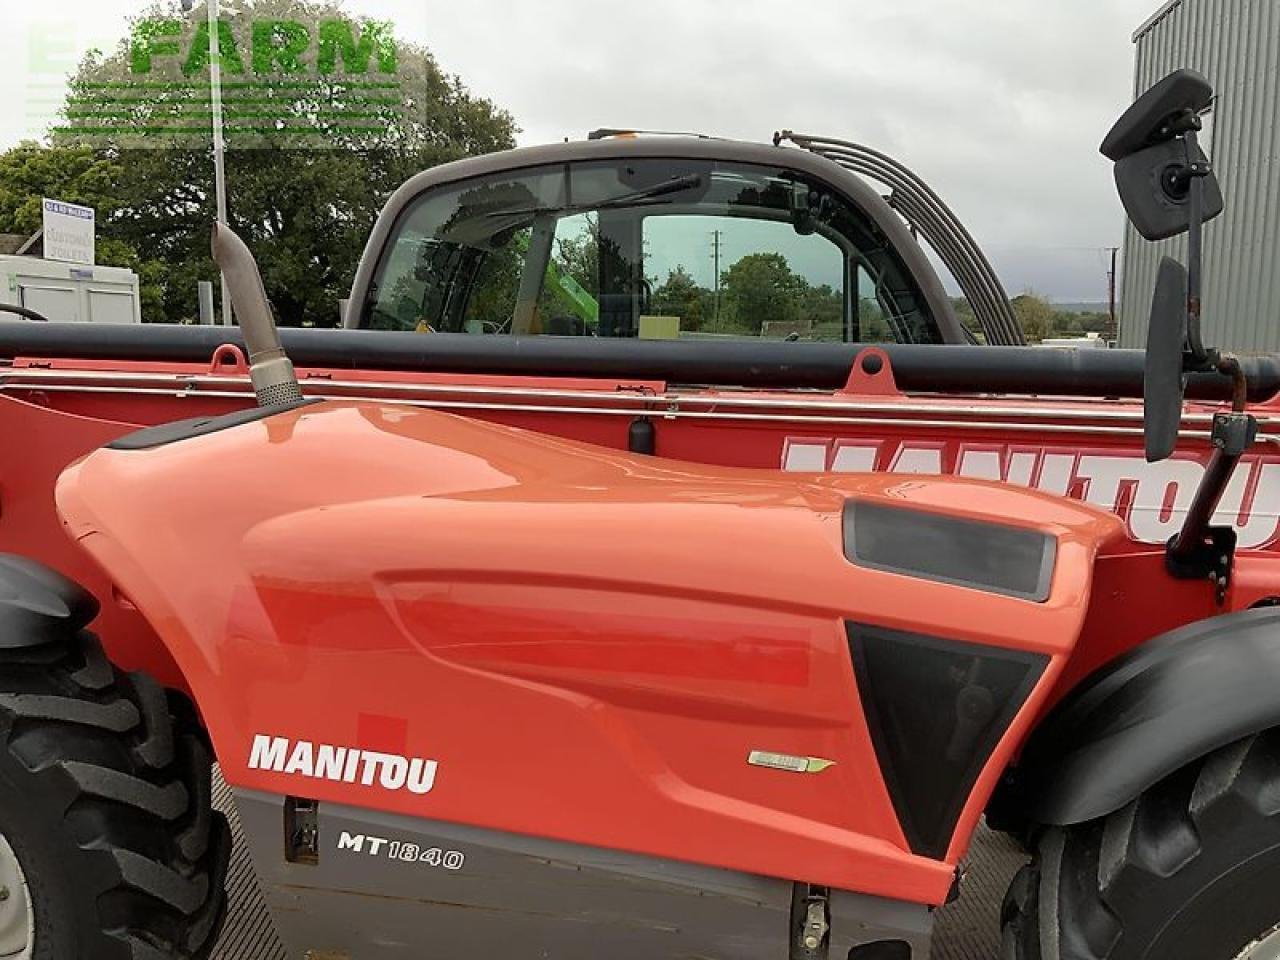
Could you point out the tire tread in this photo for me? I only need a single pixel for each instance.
(1071, 902)
(135, 796)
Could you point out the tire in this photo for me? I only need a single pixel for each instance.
(1191, 869)
(107, 808)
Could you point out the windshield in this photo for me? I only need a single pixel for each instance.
(654, 249)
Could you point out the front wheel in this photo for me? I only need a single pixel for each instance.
(109, 848)
(1188, 871)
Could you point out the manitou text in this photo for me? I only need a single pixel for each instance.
(1152, 498)
(323, 761)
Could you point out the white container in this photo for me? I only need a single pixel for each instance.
(69, 292)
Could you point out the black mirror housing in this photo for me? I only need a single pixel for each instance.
(1148, 120)
(1156, 194)
(1156, 156)
(1164, 381)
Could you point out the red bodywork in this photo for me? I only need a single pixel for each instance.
(726, 612)
(1086, 449)
(589, 643)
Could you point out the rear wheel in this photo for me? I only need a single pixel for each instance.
(109, 848)
(17, 921)
(1191, 869)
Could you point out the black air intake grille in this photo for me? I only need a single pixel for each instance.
(936, 710)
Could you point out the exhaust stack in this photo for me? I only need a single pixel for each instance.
(274, 381)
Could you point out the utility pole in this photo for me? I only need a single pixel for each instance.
(716, 236)
(219, 143)
(1113, 328)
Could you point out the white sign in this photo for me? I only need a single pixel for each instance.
(69, 232)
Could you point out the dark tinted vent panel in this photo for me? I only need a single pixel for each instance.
(936, 710)
(1012, 561)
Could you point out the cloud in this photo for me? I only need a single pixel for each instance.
(1000, 106)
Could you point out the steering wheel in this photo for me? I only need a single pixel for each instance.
(23, 312)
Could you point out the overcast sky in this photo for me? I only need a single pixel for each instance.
(999, 104)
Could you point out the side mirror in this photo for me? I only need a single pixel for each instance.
(809, 209)
(1164, 382)
(1157, 157)
(1156, 192)
(1168, 187)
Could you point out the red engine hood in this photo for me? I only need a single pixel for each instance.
(434, 586)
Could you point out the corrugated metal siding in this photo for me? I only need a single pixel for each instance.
(1236, 44)
(1155, 18)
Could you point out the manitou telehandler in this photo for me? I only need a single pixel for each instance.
(482, 691)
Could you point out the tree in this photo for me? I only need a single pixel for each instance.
(872, 325)
(680, 296)
(30, 172)
(75, 174)
(304, 190)
(968, 319)
(1035, 315)
(579, 256)
(822, 308)
(761, 288)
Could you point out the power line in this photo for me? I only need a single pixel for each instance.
(716, 242)
(1113, 328)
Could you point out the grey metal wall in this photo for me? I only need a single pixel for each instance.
(1236, 44)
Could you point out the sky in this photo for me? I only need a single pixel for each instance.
(999, 104)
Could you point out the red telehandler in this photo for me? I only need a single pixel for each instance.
(489, 691)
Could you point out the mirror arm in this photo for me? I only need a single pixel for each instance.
(1195, 172)
(1200, 550)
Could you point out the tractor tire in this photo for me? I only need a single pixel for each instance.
(109, 846)
(1191, 869)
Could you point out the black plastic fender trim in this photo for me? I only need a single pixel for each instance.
(39, 605)
(1142, 717)
(148, 438)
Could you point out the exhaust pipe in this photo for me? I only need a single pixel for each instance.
(274, 381)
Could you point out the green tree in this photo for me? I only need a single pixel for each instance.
(968, 319)
(75, 174)
(680, 296)
(497, 283)
(872, 325)
(30, 172)
(1035, 315)
(822, 308)
(304, 193)
(1093, 322)
(579, 256)
(761, 288)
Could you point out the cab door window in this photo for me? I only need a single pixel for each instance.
(746, 278)
(677, 249)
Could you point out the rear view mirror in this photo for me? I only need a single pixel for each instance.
(1156, 193)
(1156, 155)
(1163, 381)
(1168, 188)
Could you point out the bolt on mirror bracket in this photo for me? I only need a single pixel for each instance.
(1201, 550)
(1211, 557)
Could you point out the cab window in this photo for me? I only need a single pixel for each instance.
(652, 249)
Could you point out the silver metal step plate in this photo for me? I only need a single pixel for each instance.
(966, 930)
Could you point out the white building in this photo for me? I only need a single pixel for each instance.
(1236, 44)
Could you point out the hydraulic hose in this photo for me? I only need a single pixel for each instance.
(23, 312)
